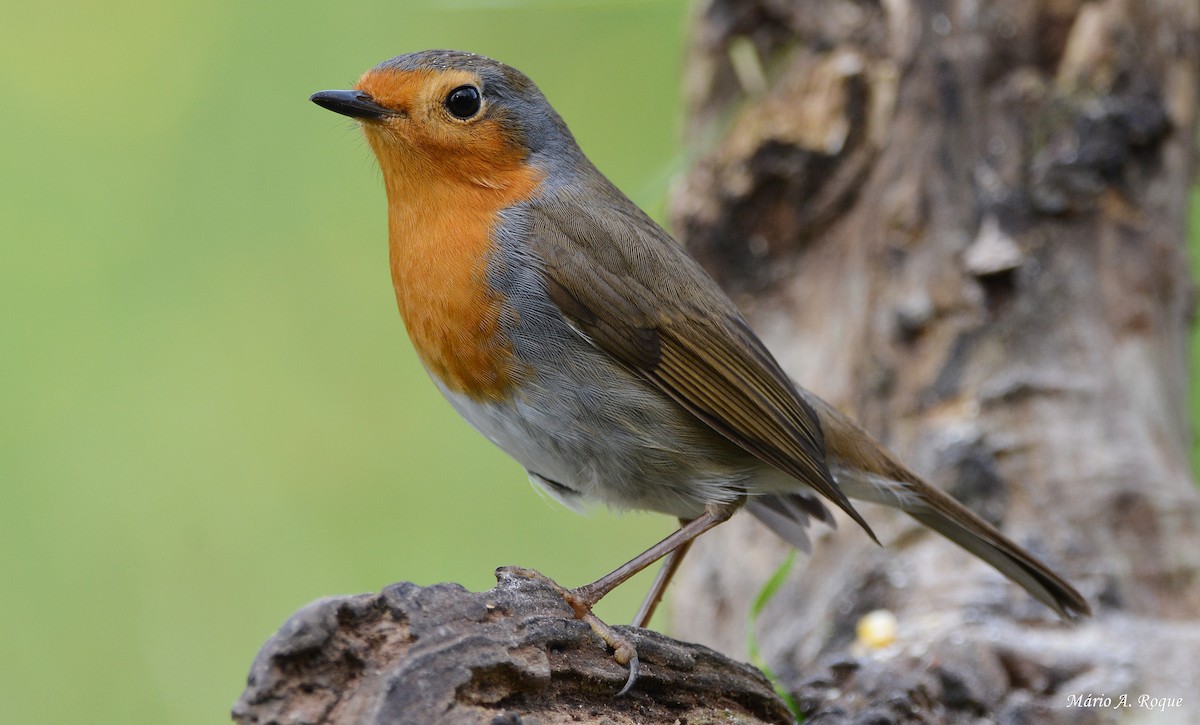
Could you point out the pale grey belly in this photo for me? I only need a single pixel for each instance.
(588, 431)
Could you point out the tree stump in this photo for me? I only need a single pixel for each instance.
(963, 223)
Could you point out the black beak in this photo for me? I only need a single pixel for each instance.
(354, 104)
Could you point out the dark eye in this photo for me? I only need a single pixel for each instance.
(463, 102)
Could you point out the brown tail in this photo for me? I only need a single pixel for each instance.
(867, 471)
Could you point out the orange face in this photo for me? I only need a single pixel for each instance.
(447, 179)
(476, 150)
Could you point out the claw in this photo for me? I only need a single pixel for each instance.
(624, 651)
(635, 666)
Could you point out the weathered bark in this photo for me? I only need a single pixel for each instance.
(511, 655)
(964, 223)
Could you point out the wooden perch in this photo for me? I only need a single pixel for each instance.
(515, 654)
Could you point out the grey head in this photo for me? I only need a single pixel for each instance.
(451, 86)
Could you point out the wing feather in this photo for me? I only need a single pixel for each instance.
(633, 292)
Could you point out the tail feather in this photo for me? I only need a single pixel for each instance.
(938, 511)
(789, 515)
(867, 471)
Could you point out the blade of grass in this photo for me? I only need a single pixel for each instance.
(760, 602)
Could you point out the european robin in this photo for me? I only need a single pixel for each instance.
(574, 333)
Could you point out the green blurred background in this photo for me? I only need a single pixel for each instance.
(212, 415)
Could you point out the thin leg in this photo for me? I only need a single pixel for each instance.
(584, 598)
(665, 574)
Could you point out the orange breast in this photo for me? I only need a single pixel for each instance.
(440, 229)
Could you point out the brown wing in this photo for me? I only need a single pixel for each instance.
(634, 293)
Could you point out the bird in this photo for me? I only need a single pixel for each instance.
(576, 334)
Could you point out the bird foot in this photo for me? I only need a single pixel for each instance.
(624, 651)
